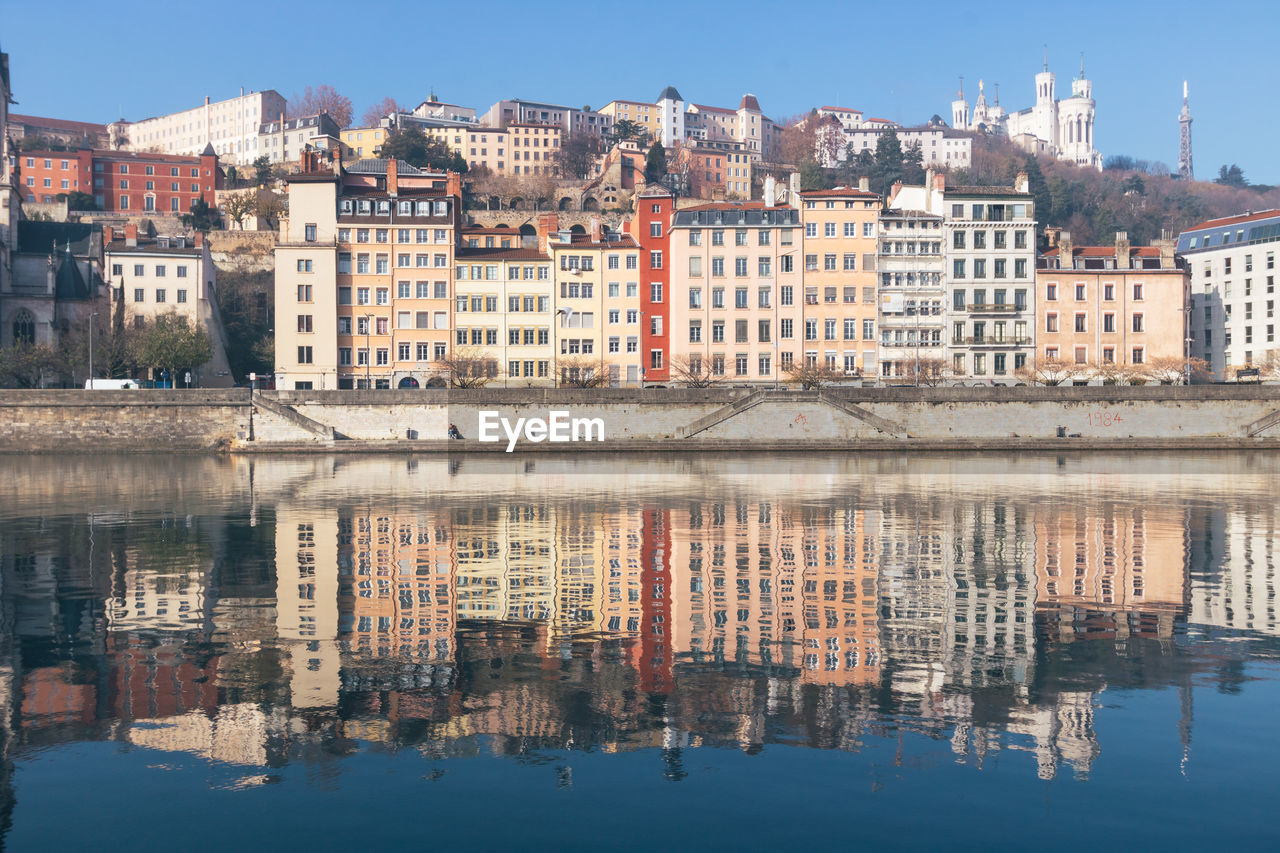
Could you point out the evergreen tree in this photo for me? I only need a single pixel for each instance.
(1039, 188)
(888, 166)
(655, 164)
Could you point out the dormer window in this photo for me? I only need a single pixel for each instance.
(162, 242)
(345, 206)
(384, 208)
(442, 208)
(365, 206)
(406, 207)
(424, 208)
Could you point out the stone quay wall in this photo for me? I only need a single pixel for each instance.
(1035, 418)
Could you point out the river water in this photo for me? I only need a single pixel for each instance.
(623, 652)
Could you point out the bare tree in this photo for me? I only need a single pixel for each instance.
(1164, 369)
(239, 207)
(376, 113)
(322, 99)
(269, 206)
(693, 372)
(469, 368)
(931, 372)
(1115, 372)
(810, 375)
(583, 372)
(1048, 371)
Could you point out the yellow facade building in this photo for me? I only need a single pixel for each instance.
(364, 276)
(840, 303)
(597, 305)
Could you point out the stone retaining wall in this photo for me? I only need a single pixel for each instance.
(671, 419)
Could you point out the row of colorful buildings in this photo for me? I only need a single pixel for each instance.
(379, 283)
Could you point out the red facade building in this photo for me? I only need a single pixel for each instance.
(121, 181)
(651, 229)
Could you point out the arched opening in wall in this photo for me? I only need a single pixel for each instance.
(436, 382)
(495, 203)
(590, 204)
(408, 382)
(1088, 132)
(1071, 131)
(24, 328)
(566, 203)
(516, 203)
(528, 230)
(577, 229)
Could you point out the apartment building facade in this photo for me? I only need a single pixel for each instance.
(989, 251)
(122, 181)
(1232, 262)
(504, 305)
(230, 127)
(364, 276)
(165, 275)
(1104, 306)
(284, 139)
(568, 119)
(651, 229)
(913, 298)
(737, 290)
(840, 304)
(597, 305)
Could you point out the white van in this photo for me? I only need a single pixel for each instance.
(110, 384)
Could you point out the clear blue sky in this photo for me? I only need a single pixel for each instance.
(899, 60)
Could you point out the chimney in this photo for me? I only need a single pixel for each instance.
(393, 177)
(1122, 250)
(131, 235)
(546, 223)
(596, 235)
(893, 190)
(1167, 245)
(198, 242)
(864, 184)
(454, 184)
(928, 178)
(1021, 183)
(1066, 251)
(1051, 236)
(770, 191)
(940, 182)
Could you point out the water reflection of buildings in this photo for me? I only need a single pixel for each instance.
(681, 612)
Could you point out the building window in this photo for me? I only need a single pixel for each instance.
(304, 355)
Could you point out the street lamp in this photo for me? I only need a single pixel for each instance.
(91, 316)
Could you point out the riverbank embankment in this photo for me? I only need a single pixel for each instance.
(1039, 418)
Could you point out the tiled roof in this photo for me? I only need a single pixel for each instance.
(59, 123)
(706, 109)
(1235, 220)
(517, 253)
(150, 246)
(378, 166)
(838, 192)
(841, 109)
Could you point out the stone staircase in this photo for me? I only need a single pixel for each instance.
(277, 410)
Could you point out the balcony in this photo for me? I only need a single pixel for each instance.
(994, 308)
(991, 341)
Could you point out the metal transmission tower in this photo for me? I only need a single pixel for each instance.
(1185, 172)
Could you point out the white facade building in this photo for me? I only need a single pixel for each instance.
(230, 126)
(1057, 128)
(913, 298)
(988, 254)
(1233, 273)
